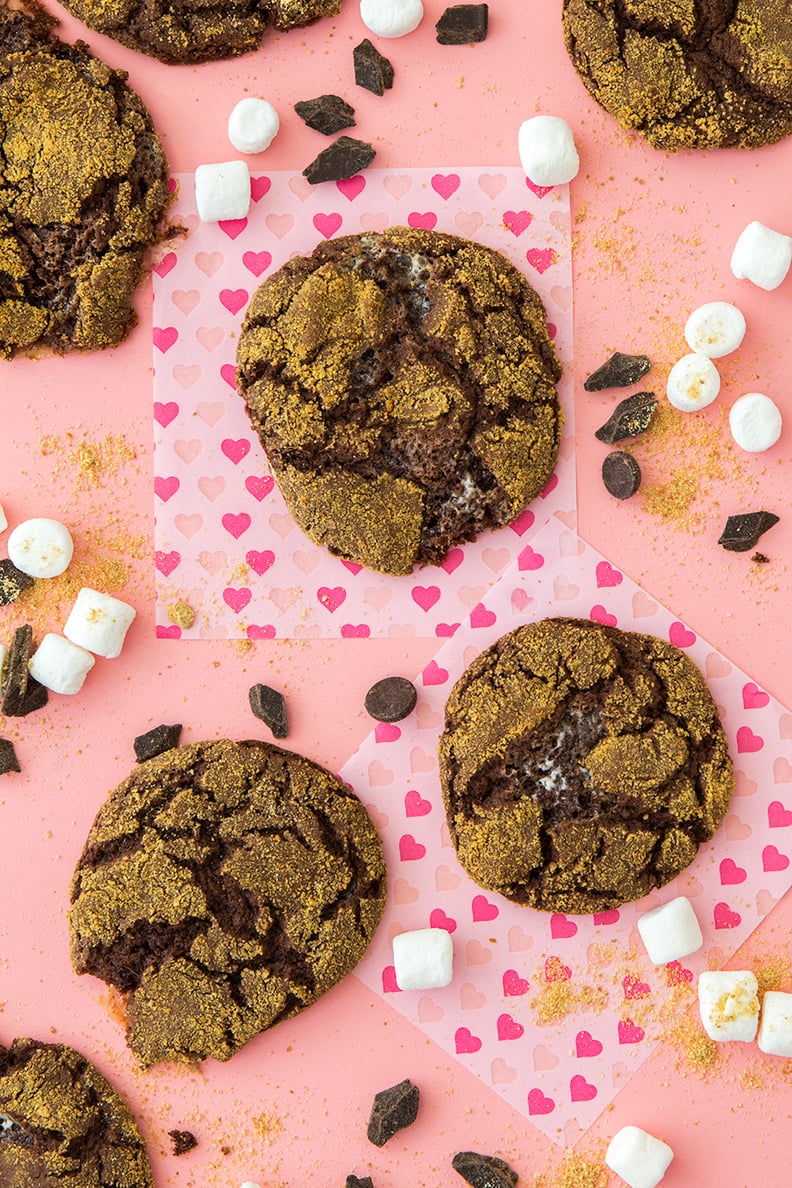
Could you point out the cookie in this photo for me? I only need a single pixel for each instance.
(403, 387)
(197, 32)
(581, 765)
(224, 886)
(62, 1125)
(687, 75)
(84, 193)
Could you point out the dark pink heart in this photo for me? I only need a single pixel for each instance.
(465, 1042)
(331, 597)
(540, 191)
(166, 488)
(528, 559)
(414, 803)
(327, 224)
(747, 741)
(261, 631)
(481, 617)
(164, 337)
(581, 1090)
(236, 599)
(410, 850)
(523, 522)
(261, 561)
(754, 697)
(165, 413)
(561, 927)
(352, 566)
(446, 630)
(538, 1103)
(438, 919)
(724, 917)
(598, 614)
(445, 184)
(228, 373)
(541, 259)
(425, 596)
(629, 1032)
(517, 221)
(165, 264)
(549, 486)
(513, 985)
(433, 674)
(170, 632)
(777, 815)
(259, 486)
(235, 450)
(350, 187)
(235, 525)
(633, 987)
(453, 560)
(607, 575)
(586, 1045)
(772, 859)
(355, 631)
(424, 222)
(508, 1028)
(257, 262)
(731, 873)
(483, 909)
(679, 635)
(609, 917)
(232, 227)
(389, 983)
(259, 186)
(233, 299)
(166, 562)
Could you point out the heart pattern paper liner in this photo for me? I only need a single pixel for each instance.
(555, 1012)
(230, 561)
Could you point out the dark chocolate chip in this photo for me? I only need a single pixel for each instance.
(8, 759)
(393, 1109)
(12, 582)
(391, 699)
(618, 372)
(621, 474)
(463, 23)
(269, 705)
(742, 532)
(183, 1141)
(760, 559)
(343, 158)
(326, 113)
(372, 70)
(484, 1171)
(157, 741)
(629, 418)
(358, 1182)
(21, 693)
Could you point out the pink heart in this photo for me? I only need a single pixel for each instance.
(541, 259)
(445, 184)
(629, 1032)
(164, 337)
(679, 635)
(260, 562)
(580, 1089)
(171, 632)
(508, 1028)
(228, 373)
(352, 566)
(677, 975)
(425, 596)
(517, 221)
(356, 631)
(266, 631)
(481, 617)
(327, 224)
(350, 187)
(453, 560)
(465, 1042)
(772, 859)
(609, 917)
(425, 222)
(634, 988)
(331, 597)
(259, 186)
(166, 488)
(433, 674)
(410, 850)
(540, 191)
(166, 562)
(586, 1045)
(528, 559)
(389, 983)
(556, 971)
(598, 614)
(538, 1103)
(232, 227)
(754, 697)
(236, 524)
(438, 919)
(777, 815)
(514, 985)
(483, 909)
(561, 927)
(385, 731)
(446, 630)
(549, 487)
(165, 413)
(523, 522)
(257, 262)
(747, 741)
(235, 450)
(209, 262)
(165, 264)
(233, 299)
(415, 805)
(259, 485)
(607, 575)
(731, 873)
(724, 917)
(236, 599)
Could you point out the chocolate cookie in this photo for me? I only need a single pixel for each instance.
(62, 1124)
(197, 31)
(84, 191)
(223, 887)
(403, 387)
(581, 765)
(687, 75)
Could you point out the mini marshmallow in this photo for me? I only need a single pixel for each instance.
(423, 959)
(715, 329)
(762, 256)
(755, 422)
(40, 548)
(253, 125)
(775, 1030)
(729, 1004)
(391, 18)
(99, 623)
(60, 665)
(671, 931)
(547, 150)
(693, 383)
(640, 1159)
(222, 191)
(3, 520)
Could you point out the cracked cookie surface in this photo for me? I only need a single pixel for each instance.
(62, 1123)
(689, 73)
(403, 387)
(581, 765)
(224, 886)
(83, 191)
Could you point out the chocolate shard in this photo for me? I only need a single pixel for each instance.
(629, 418)
(21, 694)
(8, 759)
(462, 24)
(359, 1182)
(373, 72)
(484, 1171)
(391, 699)
(392, 1110)
(270, 706)
(326, 113)
(742, 532)
(621, 474)
(760, 558)
(618, 372)
(183, 1141)
(12, 582)
(155, 742)
(343, 158)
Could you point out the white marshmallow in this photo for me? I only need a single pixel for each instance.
(60, 664)
(547, 150)
(729, 1004)
(99, 623)
(253, 125)
(3, 519)
(715, 329)
(762, 256)
(423, 958)
(248, 1184)
(693, 383)
(40, 548)
(222, 191)
(640, 1159)
(775, 1030)
(755, 422)
(391, 18)
(671, 931)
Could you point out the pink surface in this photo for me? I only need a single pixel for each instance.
(652, 235)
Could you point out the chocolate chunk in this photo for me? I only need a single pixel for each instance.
(12, 582)
(269, 705)
(463, 23)
(343, 158)
(618, 372)
(484, 1171)
(8, 759)
(183, 1141)
(742, 532)
(629, 418)
(21, 693)
(760, 559)
(327, 113)
(393, 1109)
(621, 474)
(391, 699)
(372, 70)
(155, 742)
(357, 1182)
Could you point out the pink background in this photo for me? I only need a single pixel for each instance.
(652, 236)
